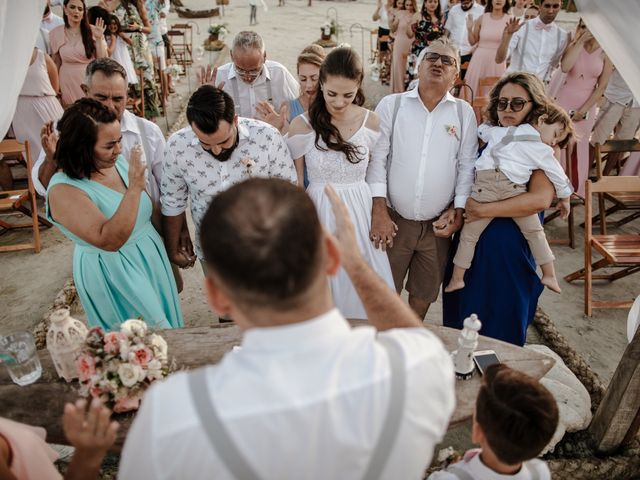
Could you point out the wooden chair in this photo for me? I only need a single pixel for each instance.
(622, 201)
(181, 36)
(485, 85)
(575, 200)
(136, 104)
(618, 251)
(17, 200)
(478, 104)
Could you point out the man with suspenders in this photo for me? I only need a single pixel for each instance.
(421, 170)
(535, 46)
(304, 396)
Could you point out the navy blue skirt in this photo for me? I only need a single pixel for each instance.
(502, 286)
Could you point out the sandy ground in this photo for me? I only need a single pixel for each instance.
(29, 282)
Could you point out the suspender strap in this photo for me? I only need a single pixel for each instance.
(459, 110)
(506, 140)
(395, 410)
(459, 473)
(396, 107)
(215, 429)
(234, 461)
(236, 95)
(547, 74)
(524, 44)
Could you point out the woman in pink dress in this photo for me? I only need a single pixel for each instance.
(37, 103)
(73, 46)
(401, 27)
(486, 32)
(587, 70)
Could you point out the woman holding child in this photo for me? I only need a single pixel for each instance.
(501, 285)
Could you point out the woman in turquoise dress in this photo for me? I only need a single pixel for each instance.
(98, 200)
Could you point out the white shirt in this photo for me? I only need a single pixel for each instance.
(518, 159)
(284, 87)
(52, 21)
(619, 92)
(479, 471)
(302, 401)
(191, 173)
(131, 135)
(457, 25)
(430, 166)
(540, 52)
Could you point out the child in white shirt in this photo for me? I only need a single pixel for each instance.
(515, 418)
(503, 171)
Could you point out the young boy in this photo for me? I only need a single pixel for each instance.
(515, 418)
(503, 171)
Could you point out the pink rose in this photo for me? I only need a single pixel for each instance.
(112, 342)
(141, 356)
(126, 404)
(95, 392)
(86, 365)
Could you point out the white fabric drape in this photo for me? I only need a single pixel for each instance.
(614, 24)
(19, 26)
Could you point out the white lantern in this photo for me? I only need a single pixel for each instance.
(467, 343)
(65, 340)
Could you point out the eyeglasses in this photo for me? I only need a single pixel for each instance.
(516, 104)
(247, 73)
(445, 59)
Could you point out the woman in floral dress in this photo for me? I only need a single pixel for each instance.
(428, 26)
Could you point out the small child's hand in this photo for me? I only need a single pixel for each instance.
(564, 205)
(90, 430)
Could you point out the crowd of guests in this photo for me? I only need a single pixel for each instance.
(290, 181)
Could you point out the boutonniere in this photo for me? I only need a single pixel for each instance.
(452, 130)
(248, 163)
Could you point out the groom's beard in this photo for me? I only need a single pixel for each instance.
(225, 154)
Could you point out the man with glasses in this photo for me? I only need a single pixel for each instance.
(535, 46)
(251, 79)
(422, 168)
(217, 150)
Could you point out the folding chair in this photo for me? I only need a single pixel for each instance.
(618, 251)
(136, 104)
(622, 201)
(485, 84)
(17, 200)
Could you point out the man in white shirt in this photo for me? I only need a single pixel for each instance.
(535, 46)
(305, 396)
(49, 21)
(252, 80)
(217, 150)
(458, 31)
(433, 142)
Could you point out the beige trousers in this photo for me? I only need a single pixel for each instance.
(493, 186)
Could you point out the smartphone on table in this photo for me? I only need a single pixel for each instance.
(484, 358)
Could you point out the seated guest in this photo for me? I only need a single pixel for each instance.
(305, 396)
(24, 454)
(98, 200)
(515, 418)
(251, 79)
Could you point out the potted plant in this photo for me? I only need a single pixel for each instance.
(216, 30)
(326, 31)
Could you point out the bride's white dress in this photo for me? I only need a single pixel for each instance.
(348, 180)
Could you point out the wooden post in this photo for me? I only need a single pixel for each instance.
(617, 419)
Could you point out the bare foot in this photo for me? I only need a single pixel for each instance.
(454, 285)
(550, 282)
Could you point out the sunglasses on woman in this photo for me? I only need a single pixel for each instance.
(445, 59)
(516, 104)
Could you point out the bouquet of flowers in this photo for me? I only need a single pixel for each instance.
(218, 28)
(174, 70)
(118, 367)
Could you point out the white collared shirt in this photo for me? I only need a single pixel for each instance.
(537, 51)
(457, 25)
(52, 21)
(430, 166)
(191, 173)
(284, 87)
(518, 159)
(131, 135)
(301, 401)
(619, 92)
(479, 471)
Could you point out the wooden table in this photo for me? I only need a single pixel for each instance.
(42, 402)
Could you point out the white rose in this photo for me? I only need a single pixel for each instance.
(130, 374)
(159, 346)
(134, 327)
(154, 370)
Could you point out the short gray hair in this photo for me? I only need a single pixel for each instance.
(107, 66)
(445, 43)
(248, 40)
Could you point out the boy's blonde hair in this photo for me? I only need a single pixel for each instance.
(557, 114)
